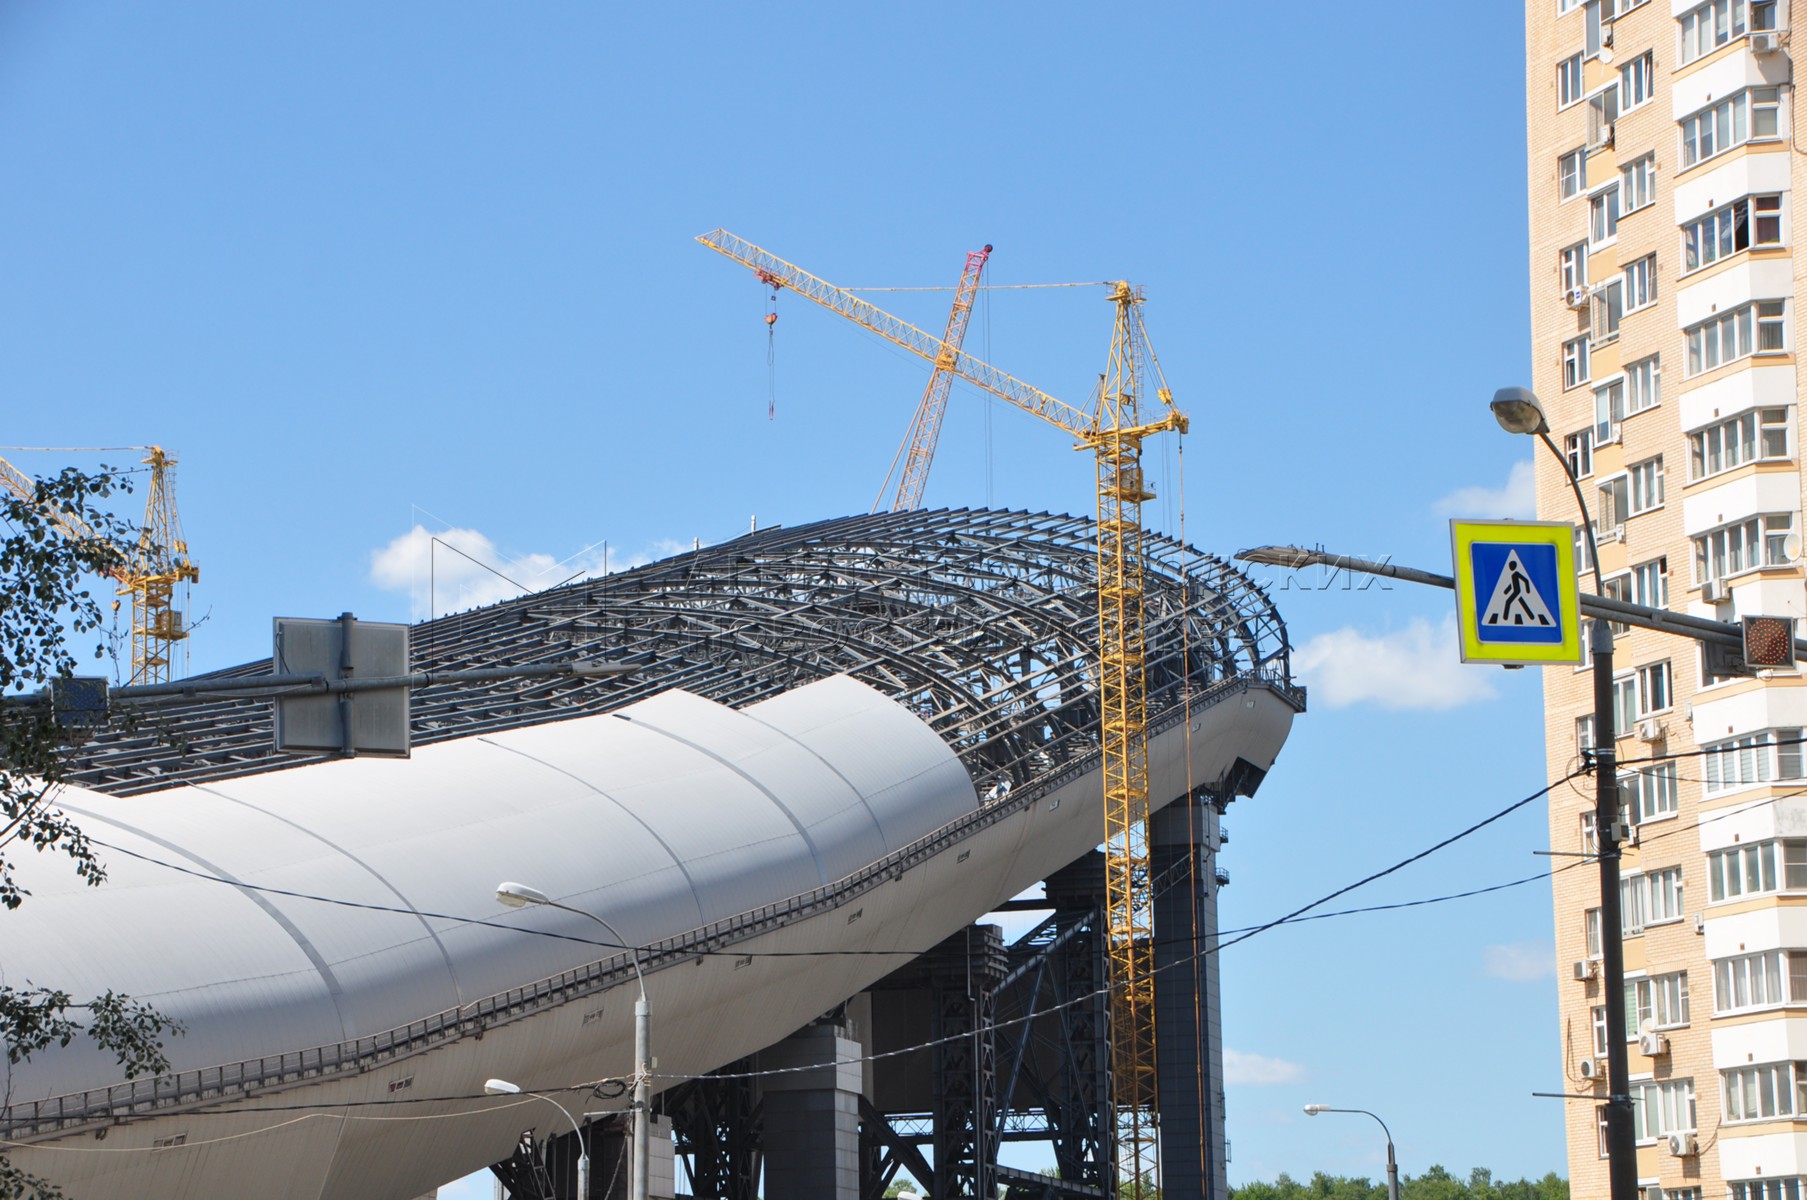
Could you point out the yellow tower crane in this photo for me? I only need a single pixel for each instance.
(1114, 432)
(918, 449)
(156, 572)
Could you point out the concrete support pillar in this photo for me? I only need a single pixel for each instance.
(1183, 842)
(811, 1130)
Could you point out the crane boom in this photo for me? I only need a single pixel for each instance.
(778, 273)
(925, 427)
(1114, 432)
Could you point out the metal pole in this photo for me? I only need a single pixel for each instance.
(1392, 1168)
(642, 1096)
(1621, 1139)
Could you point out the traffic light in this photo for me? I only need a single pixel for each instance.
(1768, 641)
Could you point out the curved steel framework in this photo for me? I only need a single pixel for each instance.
(983, 622)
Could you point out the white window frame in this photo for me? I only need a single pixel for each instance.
(1774, 1091)
(1640, 283)
(1609, 416)
(1653, 793)
(1775, 1187)
(1637, 185)
(1751, 760)
(1571, 269)
(1578, 449)
(1656, 688)
(1662, 1107)
(1740, 547)
(1755, 435)
(1726, 21)
(1575, 363)
(1643, 382)
(1650, 583)
(1752, 114)
(1646, 490)
(1759, 981)
(1750, 330)
(1603, 216)
(1570, 90)
(1574, 183)
(1753, 221)
(1640, 70)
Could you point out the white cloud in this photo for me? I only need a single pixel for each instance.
(1518, 499)
(1240, 1067)
(456, 569)
(1519, 962)
(1418, 667)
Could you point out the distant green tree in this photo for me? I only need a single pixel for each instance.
(44, 604)
(1436, 1183)
(900, 1185)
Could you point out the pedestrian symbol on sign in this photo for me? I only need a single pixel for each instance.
(1515, 600)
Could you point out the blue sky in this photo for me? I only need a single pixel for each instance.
(385, 273)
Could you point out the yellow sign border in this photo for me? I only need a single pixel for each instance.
(1463, 535)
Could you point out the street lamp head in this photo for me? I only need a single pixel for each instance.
(1517, 411)
(501, 1087)
(1312, 1110)
(519, 895)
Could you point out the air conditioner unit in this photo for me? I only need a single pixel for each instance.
(1684, 1145)
(1652, 1044)
(1589, 1068)
(1700, 922)
(1712, 592)
(1578, 297)
(1585, 968)
(1600, 136)
(1650, 730)
(1766, 42)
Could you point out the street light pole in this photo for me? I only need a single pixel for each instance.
(519, 895)
(1312, 1110)
(501, 1087)
(1518, 411)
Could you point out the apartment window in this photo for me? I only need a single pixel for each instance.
(1584, 562)
(1660, 1109)
(1750, 115)
(1632, 896)
(1609, 309)
(1758, 435)
(1574, 363)
(1595, 15)
(1578, 448)
(1567, 6)
(1618, 588)
(1650, 583)
(1614, 503)
(1747, 545)
(1663, 905)
(1571, 174)
(1602, 111)
(1574, 269)
(1637, 184)
(1661, 1000)
(1568, 80)
(1609, 411)
(1754, 758)
(1625, 703)
(1646, 485)
(1642, 378)
(1758, 328)
(1779, 1188)
(1640, 283)
(1765, 1091)
(1745, 222)
(1766, 980)
(1651, 793)
(1716, 23)
(1603, 217)
(1590, 925)
(1600, 1040)
(1635, 81)
(1655, 690)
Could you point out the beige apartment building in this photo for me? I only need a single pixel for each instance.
(1664, 155)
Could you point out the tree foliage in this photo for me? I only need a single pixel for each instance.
(54, 543)
(1435, 1184)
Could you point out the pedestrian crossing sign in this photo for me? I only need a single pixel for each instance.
(1517, 599)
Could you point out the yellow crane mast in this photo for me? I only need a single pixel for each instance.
(157, 571)
(1114, 432)
(918, 450)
